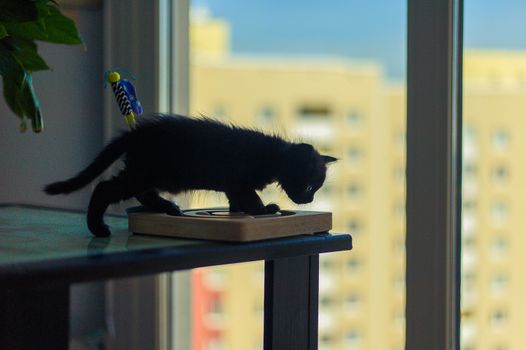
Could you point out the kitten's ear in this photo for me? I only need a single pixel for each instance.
(329, 159)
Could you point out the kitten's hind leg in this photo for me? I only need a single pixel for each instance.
(249, 202)
(106, 193)
(153, 201)
(272, 208)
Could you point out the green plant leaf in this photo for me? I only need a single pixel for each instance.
(54, 28)
(3, 31)
(25, 51)
(12, 76)
(60, 29)
(18, 11)
(22, 22)
(27, 30)
(19, 92)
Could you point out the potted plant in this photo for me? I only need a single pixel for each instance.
(22, 22)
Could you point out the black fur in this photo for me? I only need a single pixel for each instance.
(176, 154)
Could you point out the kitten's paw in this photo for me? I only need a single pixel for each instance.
(174, 211)
(272, 208)
(256, 211)
(101, 230)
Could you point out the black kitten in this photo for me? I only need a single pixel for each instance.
(176, 154)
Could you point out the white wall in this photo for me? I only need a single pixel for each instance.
(71, 97)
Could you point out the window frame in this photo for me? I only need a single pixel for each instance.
(434, 135)
(140, 310)
(434, 173)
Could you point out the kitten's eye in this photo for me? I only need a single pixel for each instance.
(308, 189)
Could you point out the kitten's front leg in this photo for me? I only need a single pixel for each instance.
(153, 201)
(249, 202)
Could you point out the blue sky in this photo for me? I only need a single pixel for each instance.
(371, 30)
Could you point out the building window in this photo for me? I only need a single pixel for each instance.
(468, 242)
(326, 263)
(313, 112)
(399, 246)
(215, 344)
(327, 188)
(327, 341)
(469, 144)
(500, 174)
(355, 156)
(326, 302)
(499, 247)
(353, 338)
(216, 307)
(498, 318)
(353, 303)
(469, 170)
(399, 211)
(499, 212)
(468, 280)
(500, 140)
(219, 112)
(399, 283)
(353, 265)
(468, 335)
(266, 116)
(499, 283)
(214, 317)
(469, 206)
(354, 191)
(354, 226)
(313, 125)
(354, 119)
(399, 319)
(214, 278)
(400, 138)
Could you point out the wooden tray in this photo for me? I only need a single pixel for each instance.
(219, 224)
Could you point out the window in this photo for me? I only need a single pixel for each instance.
(353, 265)
(499, 212)
(494, 123)
(266, 116)
(499, 247)
(354, 119)
(353, 304)
(385, 80)
(498, 319)
(347, 98)
(314, 112)
(354, 191)
(500, 174)
(355, 156)
(353, 338)
(354, 226)
(314, 124)
(500, 140)
(499, 284)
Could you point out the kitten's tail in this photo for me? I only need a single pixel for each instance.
(106, 157)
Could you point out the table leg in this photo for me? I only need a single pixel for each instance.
(34, 318)
(291, 303)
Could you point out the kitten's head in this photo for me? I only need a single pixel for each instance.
(303, 172)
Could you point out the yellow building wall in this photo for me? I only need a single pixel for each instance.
(210, 38)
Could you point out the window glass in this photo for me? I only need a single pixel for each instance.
(494, 191)
(331, 74)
